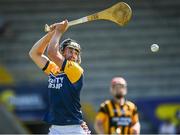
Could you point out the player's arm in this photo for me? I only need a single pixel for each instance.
(101, 120)
(99, 125)
(136, 125)
(37, 51)
(136, 128)
(53, 48)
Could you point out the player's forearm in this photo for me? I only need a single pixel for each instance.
(99, 128)
(40, 46)
(53, 48)
(136, 129)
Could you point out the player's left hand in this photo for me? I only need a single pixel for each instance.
(61, 26)
(85, 128)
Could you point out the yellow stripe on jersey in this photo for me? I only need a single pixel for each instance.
(126, 130)
(101, 116)
(135, 118)
(118, 109)
(52, 68)
(110, 108)
(134, 115)
(112, 130)
(130, 104)
(104, 119)
(73, 71)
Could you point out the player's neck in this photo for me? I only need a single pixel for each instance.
(120, 101)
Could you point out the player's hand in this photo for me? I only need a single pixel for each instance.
(85, 128)
(60, 27)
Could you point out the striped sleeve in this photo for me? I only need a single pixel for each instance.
(103, 117)
(50, 67)
(135, 116)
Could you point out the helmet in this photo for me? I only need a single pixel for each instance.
(118, 80)
(72, 44)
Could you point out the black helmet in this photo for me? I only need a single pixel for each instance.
(72, 44)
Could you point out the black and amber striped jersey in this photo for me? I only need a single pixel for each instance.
(117, 119)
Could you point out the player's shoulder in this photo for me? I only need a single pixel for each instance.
(72, 64)
(106, 102)
(51, 67)
(130, 104)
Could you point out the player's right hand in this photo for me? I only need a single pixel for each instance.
(61, 27)
(85, 128)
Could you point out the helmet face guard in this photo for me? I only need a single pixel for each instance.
(71, 44)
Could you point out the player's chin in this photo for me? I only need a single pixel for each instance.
(70, 59)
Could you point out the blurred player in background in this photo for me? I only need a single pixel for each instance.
(118, 115)
(65, 80)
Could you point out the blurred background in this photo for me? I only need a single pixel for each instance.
(107, 51)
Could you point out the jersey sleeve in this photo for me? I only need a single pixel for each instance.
(50, 67)
(72, 70)
(102, 117)
(102, 112)
(135, 117)
(103, 108)
(134, 112)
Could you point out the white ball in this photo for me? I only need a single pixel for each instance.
(154, 48)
